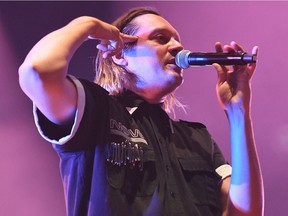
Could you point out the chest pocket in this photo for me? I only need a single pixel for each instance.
(194, 151)
(134, 181)
(202, 181)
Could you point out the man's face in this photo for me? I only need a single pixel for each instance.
(152, 59)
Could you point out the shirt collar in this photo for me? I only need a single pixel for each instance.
(130, 99)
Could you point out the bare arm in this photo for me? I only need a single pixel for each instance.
(43, 74)
(242, 194)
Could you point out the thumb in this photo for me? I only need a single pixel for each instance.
(220, 72)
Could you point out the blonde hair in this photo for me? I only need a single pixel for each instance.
(114, 78)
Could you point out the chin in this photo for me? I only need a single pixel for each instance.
(179, 80)
(176, 83)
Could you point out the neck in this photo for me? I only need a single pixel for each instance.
(151, 96)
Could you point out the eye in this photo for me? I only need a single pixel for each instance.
(162, 39)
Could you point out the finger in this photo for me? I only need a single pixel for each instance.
(255, 50)
(115, 45)
(108, 53)
(102, 47)
(229, 49)
(222, 76)
(236, 47)
(218, 47)
(221, 70)
(105, 54)
(128, 38)
(250, 66)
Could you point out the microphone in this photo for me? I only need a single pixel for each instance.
(185, 58)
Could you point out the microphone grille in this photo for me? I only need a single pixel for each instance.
(181, 59)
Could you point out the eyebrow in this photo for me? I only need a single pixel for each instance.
(165, 30)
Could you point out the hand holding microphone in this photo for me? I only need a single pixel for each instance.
(185, 58)
(233, 84)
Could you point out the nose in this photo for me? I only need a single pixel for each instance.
(175, 47)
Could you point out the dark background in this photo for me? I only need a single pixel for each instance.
(30, 183)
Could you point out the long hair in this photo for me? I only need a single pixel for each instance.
(115, 78)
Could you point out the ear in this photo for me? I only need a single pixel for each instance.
(119, 60)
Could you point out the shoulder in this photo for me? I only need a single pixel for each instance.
(194, 133)
(196, 128)
(196, 125)
(92, 86)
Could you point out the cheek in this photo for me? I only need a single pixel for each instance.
(143, 64)
(145, 51)
(144, 58)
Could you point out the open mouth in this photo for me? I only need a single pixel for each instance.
(171, 61)
(172, 64)
(175, 67)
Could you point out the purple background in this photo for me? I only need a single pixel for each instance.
(30, 182)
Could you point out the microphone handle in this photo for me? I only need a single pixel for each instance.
(206, 58)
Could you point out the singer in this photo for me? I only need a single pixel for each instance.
(122, 152)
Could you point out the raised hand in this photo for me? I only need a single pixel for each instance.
(113, 47)
(233, 85)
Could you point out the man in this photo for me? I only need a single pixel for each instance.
(121, 154)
